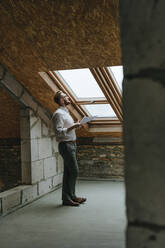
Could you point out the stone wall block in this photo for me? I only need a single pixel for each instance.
(10, 82)
(44, 130)
(10, 199)
(34, 149)
(35, 129)
(45, 148)
(26, 172)
(37, 171)
(60, 168)
(29, 193)
(57, 180)
(25, 150)
(45, 186)
(49, 167)
(42, 114)
(54, 145)
(51, 129)
(28, 100)
(24, 124)
(33, 117)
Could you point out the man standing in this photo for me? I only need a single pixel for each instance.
(64, 128)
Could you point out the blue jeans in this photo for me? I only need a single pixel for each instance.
(68, 152)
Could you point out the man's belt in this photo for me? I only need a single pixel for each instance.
(70, 141)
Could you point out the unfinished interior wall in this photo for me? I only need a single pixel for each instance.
(99, 157)
(41, 164)
(142, 29)
(10, 148)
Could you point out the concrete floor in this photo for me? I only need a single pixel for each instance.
(45, 223)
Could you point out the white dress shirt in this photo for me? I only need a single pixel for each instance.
(61, 121)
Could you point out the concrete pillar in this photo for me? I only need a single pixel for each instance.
(143, 43)
(25, 145)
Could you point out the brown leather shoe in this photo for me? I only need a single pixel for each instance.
(70, 203)
(80, 200)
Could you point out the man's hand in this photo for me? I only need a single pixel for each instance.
(75, 125)
(81, 125)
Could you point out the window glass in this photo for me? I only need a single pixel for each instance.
(81, 82)
(100, 110)
(117, 73)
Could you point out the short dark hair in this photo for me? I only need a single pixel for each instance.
(57, 96)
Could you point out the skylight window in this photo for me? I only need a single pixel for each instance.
(90, 90)
(81, 82)
(117, 73)
(100, 110)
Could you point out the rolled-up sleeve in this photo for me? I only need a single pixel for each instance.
(58, 124)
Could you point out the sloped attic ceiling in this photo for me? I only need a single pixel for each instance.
(54, 35)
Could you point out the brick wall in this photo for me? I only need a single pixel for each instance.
(9, 116)
(100, 160)
(10, 163)
(10, 149)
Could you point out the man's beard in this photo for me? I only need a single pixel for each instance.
(67, 102)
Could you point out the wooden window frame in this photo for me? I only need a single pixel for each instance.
(109, 88)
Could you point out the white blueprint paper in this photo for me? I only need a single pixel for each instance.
(87, 119)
